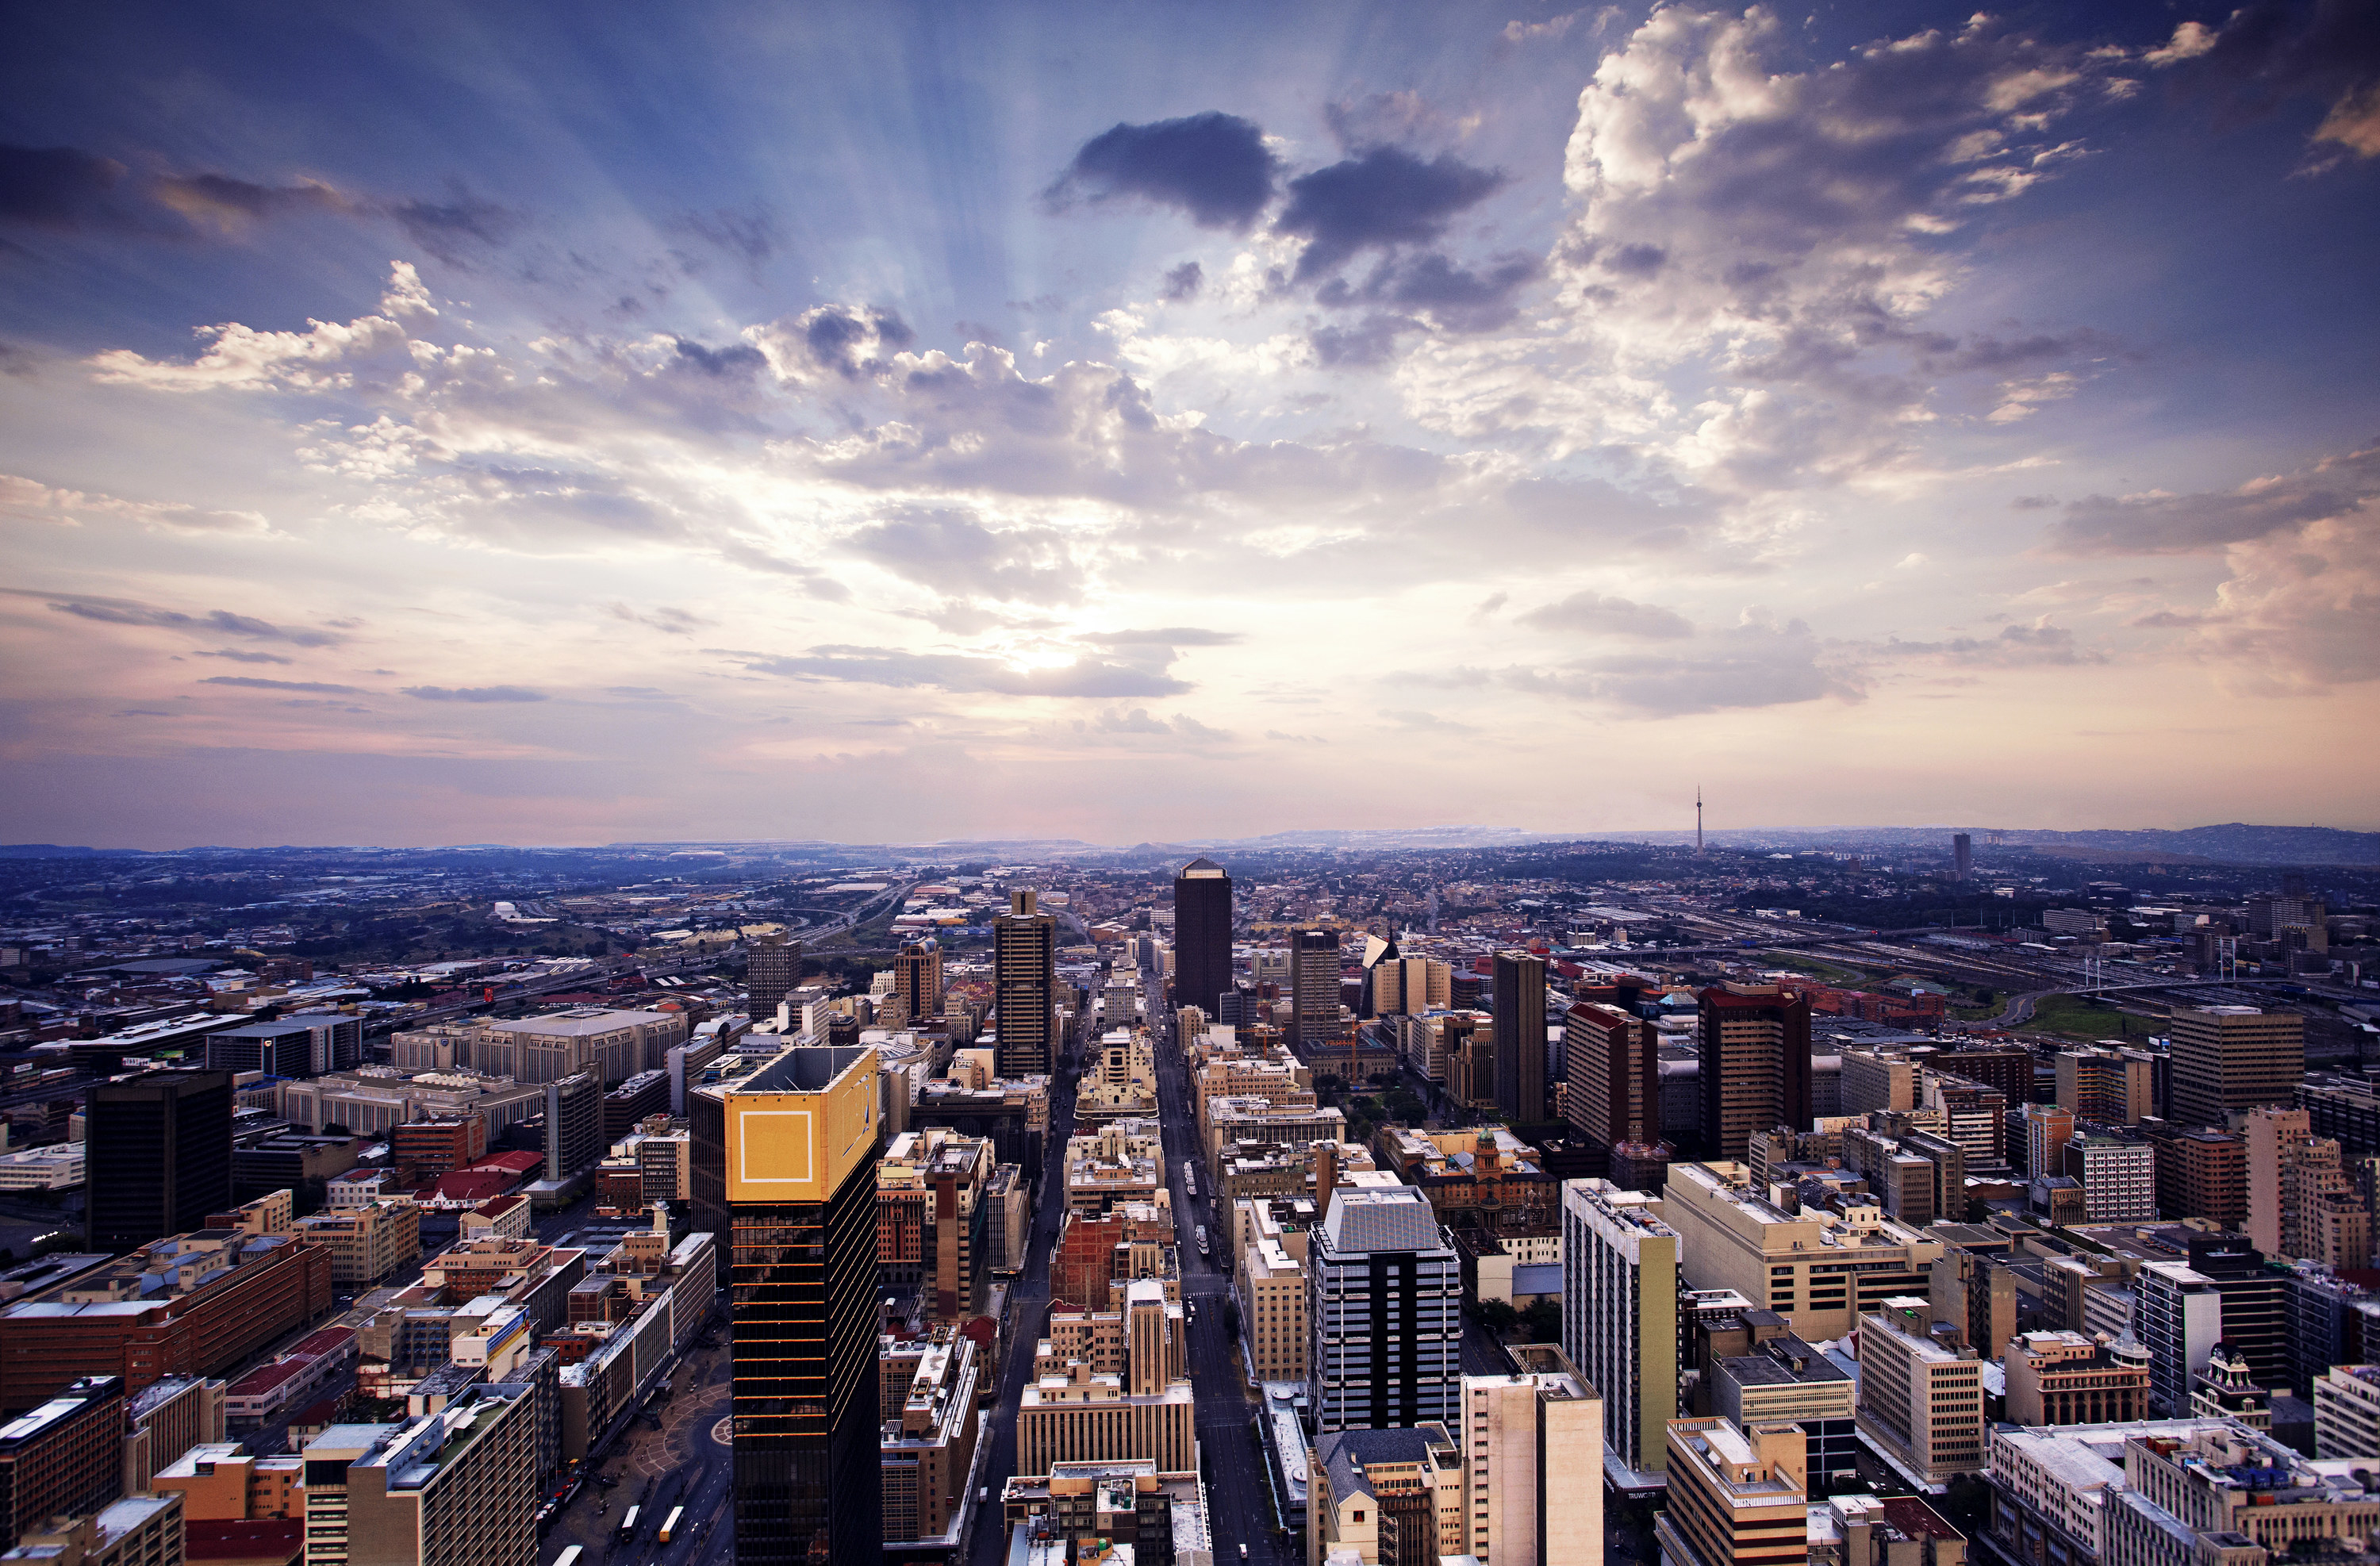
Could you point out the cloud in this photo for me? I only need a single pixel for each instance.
(2273, 51)
(969, 674)
(953, 553)
(848, 341)
(751, 237)
(125, 611)
(1747, 665)
(1138, 721)
(228, 205)
(1214, 167)
(1182, 283)
(461, 229)
(1599, 615)
(738, 359)
(1414, 721)
(2160, 523)
(310, 686)
(1162, 635)
(473, 693)
(241, 356)
(2016, 647)
(27, 499)
(660, 617)
(236, 656)
(1383, 198)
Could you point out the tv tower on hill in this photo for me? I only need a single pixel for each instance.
(1698, 821)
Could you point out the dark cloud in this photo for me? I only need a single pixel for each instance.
(660, 617)
(1162, 635)
(124, 611)
(1370, 341)
(750, 236)
(1182, 282)
(236, 656)
(1384, 198)
(966, 672)
(737, 359)
(2015, 646)
(1453, 297)
(1594, 613)
(459, 230)
(473, 693)
(1213, 166)
(953, 554)
(847, 340)
(2033, 503)
(54, 187)
(2168, 524)
(311, 687)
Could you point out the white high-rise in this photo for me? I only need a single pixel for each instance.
(1619, 1320)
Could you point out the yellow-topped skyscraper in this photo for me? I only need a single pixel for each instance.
(786, 1170)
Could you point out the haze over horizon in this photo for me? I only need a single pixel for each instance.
(892, 425)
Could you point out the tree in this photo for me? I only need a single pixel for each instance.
(1541, 1323)
(1498, 1316)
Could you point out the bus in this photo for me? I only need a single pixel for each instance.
(669, 1524)
(1202, 1240)
(1190, 1179)
(628, 1524)
(569, 1556)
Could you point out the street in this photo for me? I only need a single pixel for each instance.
(685, 1462)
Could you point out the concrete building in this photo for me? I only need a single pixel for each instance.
(771, 967)
(146, 1530)
(2110, 1086)
(932, 1423)
(1737, 1497)
(615, 1045)
(1619, 1321)
(2228, 1057)
(1532, 1445)
(1821, 1270)
(2221, 1493)
(1025, 986)
(2203, 1172)
(1755, 1064)
(1314, 989)
(158, 1147)
(2064, 1378)
(1411, 986)
(2119, 1178)
(1075, 1413)
(1612, 1080)
(918, 979)
(1386, 1497)
(459, 1488)
(365, 1244)
(305, 1045)
(1877, 1079)
(1787, 1381)
(1521, 1037)
(1202, 935)
(2347, 1412)
(1272, 1282)
(2180, 1320)
(1921, 1401)
(1384, 1305)
(932, 1217)
(65, 1457)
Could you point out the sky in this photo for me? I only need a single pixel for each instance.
(1128, 421)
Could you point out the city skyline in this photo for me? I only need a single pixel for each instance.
(821, 424)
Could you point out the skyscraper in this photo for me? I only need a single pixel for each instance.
(1620, 1316)
(918, 978)
(1384, 1306)
(1963, 856)
(789, 1152)
(1314, 987)
(1202, 935)
(1610, 1060)
(157, 1156)
(2228, 1057)
(1521, 1036)
(1756, 1065)
(1025, 986)
(574, 1124)
(772, 967)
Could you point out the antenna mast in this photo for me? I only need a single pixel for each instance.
(1698, 821)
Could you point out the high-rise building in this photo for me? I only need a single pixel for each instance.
(1737, 1497)
(158, 1156)
(1756, 1065)
(2202, 1173)
(1384, 1302)
(1620, 1318)
(1821, 1270)
(1202, 935)
(2111, 1086)
(2181, 1317)
(574, 1124)
(1521, 1036)
(1612, 1079)
(1314, 987)
(305, 1045)
(456, 1486)
(788, 1153)
(2347, 1412)
(1963, 856)
(64, 1458)
(771, 968)
(1025, 986)
(2227, 1057)
(1533, 1447)
(1920, 1400)
(918, 979)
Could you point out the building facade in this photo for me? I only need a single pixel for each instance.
(1384, 1304)
(1202, 935)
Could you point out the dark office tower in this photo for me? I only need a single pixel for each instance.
(1025, 986)
(918, 978)
(1202, 935)
(1610, 1058)
(1756, 1065)
(1521, 1036)
(1314, 987)
(574, 1124)
(158, 1155)
(788, 1155)
(771, 969)
(1963, 856)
